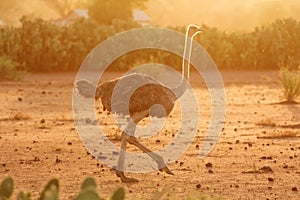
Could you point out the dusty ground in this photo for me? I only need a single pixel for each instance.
(38, 141)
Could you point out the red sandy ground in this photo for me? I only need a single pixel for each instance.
(253, 137)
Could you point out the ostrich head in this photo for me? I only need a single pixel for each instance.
(193, 30)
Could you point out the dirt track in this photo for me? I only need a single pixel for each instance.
(38, 141)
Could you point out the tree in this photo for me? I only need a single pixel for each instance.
(105, 11)
(63, 7)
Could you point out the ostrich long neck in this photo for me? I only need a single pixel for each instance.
(180, 89)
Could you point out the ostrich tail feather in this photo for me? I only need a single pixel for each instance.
(85, 88)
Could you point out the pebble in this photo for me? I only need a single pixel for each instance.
(208, 164)
(294, 189)
(270, 179)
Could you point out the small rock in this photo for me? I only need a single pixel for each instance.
(36, 159)
(102, 157)
(266, 158)
(20, 99)
(57, 160)
(157, 141)
(43, 121)
(208, 164)
(198, 186)
(266, 169)
(294, 189)
(88, 121)
(270, 179)
(69, 143)
(210, 171)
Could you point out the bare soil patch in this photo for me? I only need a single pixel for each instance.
(38, 141)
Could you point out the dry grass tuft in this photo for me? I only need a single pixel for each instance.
(64, 118)
(281, 134)
(290, 84)
(21, 116)
(16, 117)
(266, 122)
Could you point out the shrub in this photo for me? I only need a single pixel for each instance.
(291, 84)
(6, 188)
(51, 191)
(9, 69)
(44, 46)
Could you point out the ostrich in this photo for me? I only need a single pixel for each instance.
(141, 100)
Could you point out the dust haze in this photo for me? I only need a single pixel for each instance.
(224, 14)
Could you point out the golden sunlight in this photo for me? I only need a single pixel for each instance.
(224, 14)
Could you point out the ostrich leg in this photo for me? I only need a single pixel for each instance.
(128, 136)
(157, 158)
(121, 160)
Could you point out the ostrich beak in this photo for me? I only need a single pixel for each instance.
(198, 31)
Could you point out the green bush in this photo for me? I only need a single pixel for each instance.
(8, 69)
(88, 191)
(51, 191)
(6, 188)
(43, 46)
(291, 84)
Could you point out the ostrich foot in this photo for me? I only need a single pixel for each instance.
(167, 170)
(162, 166)
(125, 179)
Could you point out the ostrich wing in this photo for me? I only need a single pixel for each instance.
(136, 93)
(122, 89)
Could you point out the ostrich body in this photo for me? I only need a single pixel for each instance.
(142, 98)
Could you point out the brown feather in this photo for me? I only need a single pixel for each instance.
(142, 99)
(85, 88)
